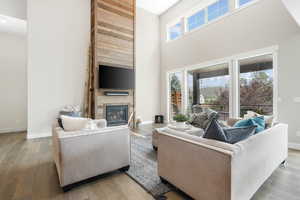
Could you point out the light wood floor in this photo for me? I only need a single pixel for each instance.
(27, 172)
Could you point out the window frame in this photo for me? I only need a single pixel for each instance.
(186, 24)
(237, 4)
(174, 23)
(233, 65)
(225, 14)
(184, 18)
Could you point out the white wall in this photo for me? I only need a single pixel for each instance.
(13, 90)
(147, 65)
(294, 8)
(13, 8)
(58, 41)
(263, 24)
(289, 71)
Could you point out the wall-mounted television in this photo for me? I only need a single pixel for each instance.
(116, 78)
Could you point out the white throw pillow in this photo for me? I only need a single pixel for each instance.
(268, 118)
(74, 123)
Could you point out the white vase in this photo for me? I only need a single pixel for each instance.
(180, 124)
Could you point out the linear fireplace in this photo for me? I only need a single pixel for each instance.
(116, 115)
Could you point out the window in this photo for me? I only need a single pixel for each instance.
(256, 85)
(231, 87)
(196, 20)
(217, 9)
(175, 31)
(210, 89)
(176, 95)
(243, 2)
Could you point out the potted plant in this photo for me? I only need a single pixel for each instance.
(180, 119)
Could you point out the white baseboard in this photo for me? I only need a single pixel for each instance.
(12, 130)
(294, 146)
(147, 122)
(38, 135)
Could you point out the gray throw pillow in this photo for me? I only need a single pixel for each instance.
(199, 120)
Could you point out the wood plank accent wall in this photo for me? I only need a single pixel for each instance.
(113, 24)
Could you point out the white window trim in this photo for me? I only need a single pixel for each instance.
(183, 92)
(178, 20)
(234, 97)
(237, 4)
(184, 18)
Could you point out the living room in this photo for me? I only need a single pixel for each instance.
(137, 99)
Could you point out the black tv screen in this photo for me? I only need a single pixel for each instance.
(116, 78)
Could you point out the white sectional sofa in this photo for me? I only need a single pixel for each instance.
(81, 155)
(212, 170)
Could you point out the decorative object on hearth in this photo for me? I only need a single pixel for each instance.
(159, 119)
(138, 121)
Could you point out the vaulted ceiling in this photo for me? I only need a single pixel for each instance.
(156, 6)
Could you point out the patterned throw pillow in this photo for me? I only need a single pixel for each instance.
(203, 119)
(199, 120)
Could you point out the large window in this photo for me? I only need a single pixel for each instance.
(243, 2)
(196, 20)
(217, 9)
(175, 94)
(175, 31)
(232, 87)
(256, 85)
(211, 86)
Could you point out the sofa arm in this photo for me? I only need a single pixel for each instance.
(257, 159)
(101, 123)
(190, 165)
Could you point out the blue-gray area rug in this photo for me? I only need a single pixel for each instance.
(143, 167)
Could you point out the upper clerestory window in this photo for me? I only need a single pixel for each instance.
(196, 20)
(217, 9)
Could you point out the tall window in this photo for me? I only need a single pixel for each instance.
(176, 97)
(217, 9)
(196, 20)
(243, 2)
(175, 31)
(256, 85)
(211, 89)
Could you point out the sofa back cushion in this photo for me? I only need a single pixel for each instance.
(74, 123)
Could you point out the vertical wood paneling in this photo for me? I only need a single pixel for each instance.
(112, 42)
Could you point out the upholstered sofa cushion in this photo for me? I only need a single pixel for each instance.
(202, 119)
(74, 123)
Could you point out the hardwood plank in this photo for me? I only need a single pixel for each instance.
(114, 19)
(114, 10)
(28, 171)
(115, 35)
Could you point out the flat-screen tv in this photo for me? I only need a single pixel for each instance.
(116, 78)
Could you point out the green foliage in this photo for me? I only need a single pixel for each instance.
(180, 118)
(175, 84)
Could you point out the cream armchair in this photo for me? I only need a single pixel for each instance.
(81, 155)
